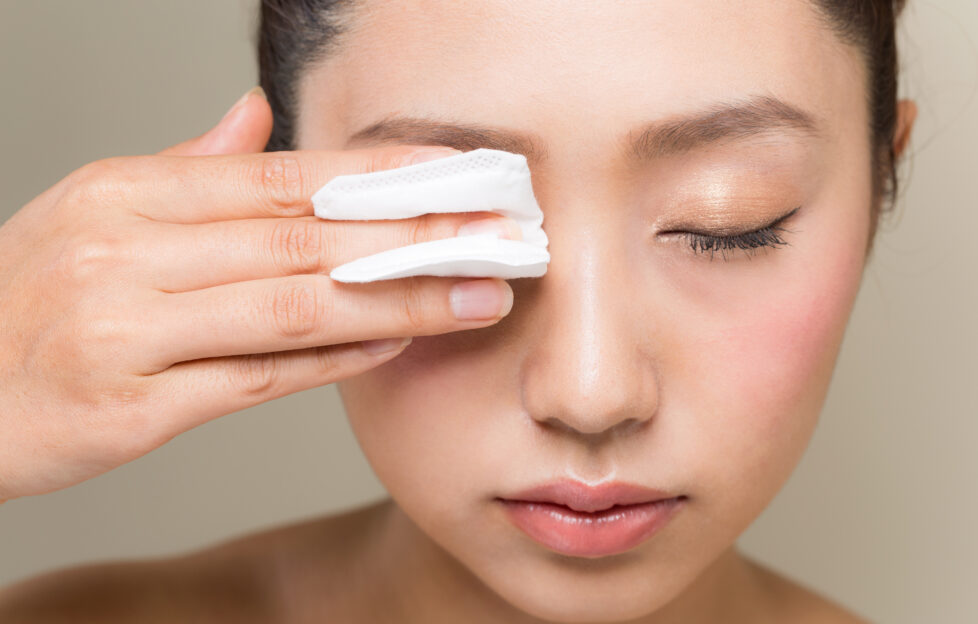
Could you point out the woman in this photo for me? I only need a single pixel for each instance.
(712, 176)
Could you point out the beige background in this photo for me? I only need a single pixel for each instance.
(880, 514)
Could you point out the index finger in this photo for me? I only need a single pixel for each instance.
(201, 189)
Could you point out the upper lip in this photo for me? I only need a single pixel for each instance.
(580, 496)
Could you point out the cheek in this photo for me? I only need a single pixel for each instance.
(420, 417)
(433, 374)
(760, 369)
(779, 353)
(776, 364)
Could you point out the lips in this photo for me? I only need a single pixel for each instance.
(576, 519)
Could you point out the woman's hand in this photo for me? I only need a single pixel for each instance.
(141, 297)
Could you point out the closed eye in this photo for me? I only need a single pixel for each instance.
(749, 242)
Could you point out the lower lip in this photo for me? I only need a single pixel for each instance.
(598, 534)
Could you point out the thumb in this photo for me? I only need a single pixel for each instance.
(243, 130)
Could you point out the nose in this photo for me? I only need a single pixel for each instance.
(588, 370)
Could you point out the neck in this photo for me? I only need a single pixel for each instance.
(421, 582)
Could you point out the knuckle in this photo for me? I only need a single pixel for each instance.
(412, 305)
(69, 343)
(91, 172)
(103, 338)
(122, 395)
(280, 179)
(297, 246)
(421, 229)
(327, 363)
(387, 158)
(88, 256)
(98, 182)
(96, 420)
(95, 345)
(295, 310)
(256, 374)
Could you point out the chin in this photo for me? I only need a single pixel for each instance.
(560, 588)
(554, 599)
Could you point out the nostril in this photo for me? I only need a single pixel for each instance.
(594, 430)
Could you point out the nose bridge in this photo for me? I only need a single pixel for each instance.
(587, 371)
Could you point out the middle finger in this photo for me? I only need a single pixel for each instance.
(180, 258)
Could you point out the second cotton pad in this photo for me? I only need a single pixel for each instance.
(478, 180)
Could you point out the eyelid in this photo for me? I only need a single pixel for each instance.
(724, 234)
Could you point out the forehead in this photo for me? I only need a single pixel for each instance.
(577, 66)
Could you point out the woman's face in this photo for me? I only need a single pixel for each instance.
(635, 358)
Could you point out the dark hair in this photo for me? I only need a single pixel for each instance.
(295, 33)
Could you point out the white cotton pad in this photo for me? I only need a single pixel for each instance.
(478, 180)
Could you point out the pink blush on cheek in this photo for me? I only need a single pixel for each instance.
(780, 354)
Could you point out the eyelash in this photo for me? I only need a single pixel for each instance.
(749, 242)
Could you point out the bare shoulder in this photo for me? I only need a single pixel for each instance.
(800, 604)
(132, 591)
(245, 580)
(212, 586)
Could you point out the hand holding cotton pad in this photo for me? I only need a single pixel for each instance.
(478, 180)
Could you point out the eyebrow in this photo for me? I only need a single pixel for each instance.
(666, 137)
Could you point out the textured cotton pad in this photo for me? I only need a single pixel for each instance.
(478, 180)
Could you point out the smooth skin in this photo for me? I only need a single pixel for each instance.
(703, 377)
(635, 357)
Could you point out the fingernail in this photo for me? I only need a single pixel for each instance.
(481, 300)
(500, 226)
(421, 156)
(244, 98)
(385, 345)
